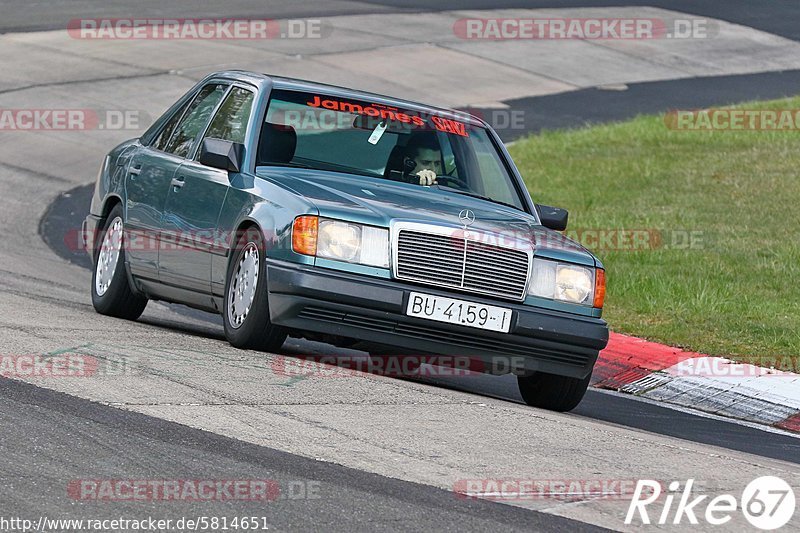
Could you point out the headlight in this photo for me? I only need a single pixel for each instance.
(338, 240)
(562, 281)
(341, 241)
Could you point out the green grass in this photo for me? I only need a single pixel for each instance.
(737, 292)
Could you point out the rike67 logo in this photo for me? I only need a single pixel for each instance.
(767, 502)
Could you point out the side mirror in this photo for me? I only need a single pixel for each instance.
(553, 217)
(225, 155)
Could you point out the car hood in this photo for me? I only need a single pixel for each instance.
(378, 202)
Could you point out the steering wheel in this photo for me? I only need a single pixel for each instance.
(410, 166)
(458, 182)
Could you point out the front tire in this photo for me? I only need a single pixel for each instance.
(112, 295)
(245, 312)
(549, 391)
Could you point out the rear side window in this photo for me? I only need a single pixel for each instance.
(195, 119)
(230, 122)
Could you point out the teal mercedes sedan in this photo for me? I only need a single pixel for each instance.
(298, 208)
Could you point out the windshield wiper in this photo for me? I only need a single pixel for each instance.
(476, 195)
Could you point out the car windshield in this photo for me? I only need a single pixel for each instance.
(318, 131)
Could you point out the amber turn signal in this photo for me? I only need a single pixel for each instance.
(304, 234)
(599, 287)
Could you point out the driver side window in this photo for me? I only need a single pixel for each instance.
(230, 122)
(195, 119)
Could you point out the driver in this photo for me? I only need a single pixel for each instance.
(423, 158)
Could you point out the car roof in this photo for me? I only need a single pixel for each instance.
(282, 82)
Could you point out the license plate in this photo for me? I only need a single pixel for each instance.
(460, 312)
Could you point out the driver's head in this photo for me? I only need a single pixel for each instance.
(423, 149)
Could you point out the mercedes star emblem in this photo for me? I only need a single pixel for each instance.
(467, 217)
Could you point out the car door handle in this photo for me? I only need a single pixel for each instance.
(135, 171)
(178, 182)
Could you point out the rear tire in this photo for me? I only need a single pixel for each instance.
(245, 311)
(112, 295)
(549, 391)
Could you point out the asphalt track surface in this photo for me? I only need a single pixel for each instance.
(313, 495)
(69, 435)
(778, 16)
(596, 105)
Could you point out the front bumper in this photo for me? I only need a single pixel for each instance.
(89, 229)
(373, 309)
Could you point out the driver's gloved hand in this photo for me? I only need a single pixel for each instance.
(426, 177)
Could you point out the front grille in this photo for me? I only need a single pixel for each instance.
(461, 263)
